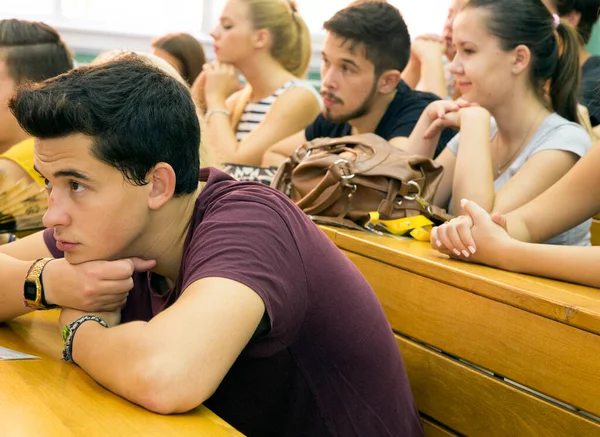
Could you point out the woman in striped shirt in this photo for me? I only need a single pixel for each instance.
(269, 43)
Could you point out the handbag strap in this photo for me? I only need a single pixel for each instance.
(337, 221)
(380, 149)
(332, 178)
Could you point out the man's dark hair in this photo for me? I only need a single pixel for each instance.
(379, 28)
(32, 51)
(136, 114)
(589, 15)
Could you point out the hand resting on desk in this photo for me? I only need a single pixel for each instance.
(476, 236)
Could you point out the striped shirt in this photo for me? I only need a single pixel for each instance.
(255, 112)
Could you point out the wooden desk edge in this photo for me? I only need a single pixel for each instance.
(582, 311)
(36, 333)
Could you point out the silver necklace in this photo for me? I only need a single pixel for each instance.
(501, 167)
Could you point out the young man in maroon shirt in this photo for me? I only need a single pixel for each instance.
(247, 307)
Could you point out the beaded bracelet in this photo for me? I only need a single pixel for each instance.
(69, 330)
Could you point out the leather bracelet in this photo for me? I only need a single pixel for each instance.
(47, 306)
(68, 333)
(216, 111)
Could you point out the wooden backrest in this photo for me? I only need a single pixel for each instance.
(487, 352)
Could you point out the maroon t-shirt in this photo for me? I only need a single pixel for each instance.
(329, 365)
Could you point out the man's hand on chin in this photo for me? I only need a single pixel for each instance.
(92, 286)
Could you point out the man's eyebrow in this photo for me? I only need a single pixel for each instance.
(344, 60)
(70, 173)
(349, 61)
(67, 173)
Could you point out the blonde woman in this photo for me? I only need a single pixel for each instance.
(269, 44)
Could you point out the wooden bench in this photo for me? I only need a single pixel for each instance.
(481, 346)
(47, 397)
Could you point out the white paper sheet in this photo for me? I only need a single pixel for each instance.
(8, 354)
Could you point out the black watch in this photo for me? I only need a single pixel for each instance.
(33, 288)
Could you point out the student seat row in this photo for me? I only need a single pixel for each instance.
(487, 352)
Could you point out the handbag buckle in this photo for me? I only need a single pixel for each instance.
(413, 196)
(417, 196)
(345, 161)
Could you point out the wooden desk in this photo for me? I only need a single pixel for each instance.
(542, 334)
(48, 397)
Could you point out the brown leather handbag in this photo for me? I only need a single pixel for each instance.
(341, 180)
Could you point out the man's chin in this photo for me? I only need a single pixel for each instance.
(80, 258)
(73, 258)
(361, 111)
(335, 118)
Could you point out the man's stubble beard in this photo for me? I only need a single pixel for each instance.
(362, 110)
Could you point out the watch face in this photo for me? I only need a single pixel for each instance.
(30, 291)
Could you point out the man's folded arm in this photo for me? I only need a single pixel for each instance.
(177, 360)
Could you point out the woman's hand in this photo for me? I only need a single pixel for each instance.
(220, 82)
(445, 114)
(476, 236)
(197, 91)
(427, 47)
(454, 237)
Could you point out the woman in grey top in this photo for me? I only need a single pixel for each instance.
(505, 241)
(519, 133)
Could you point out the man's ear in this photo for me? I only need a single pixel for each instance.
(262, 38)
(388, 81)
(521, 59)
(162, 181)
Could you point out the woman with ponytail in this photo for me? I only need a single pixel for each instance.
(517, 67)
(268, 42)
(583, 15)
